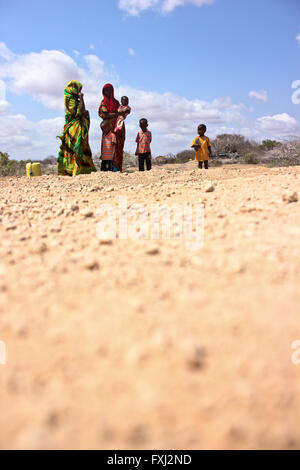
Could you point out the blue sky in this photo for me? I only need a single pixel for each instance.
(227, 63)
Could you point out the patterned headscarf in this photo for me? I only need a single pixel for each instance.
(73, 88)
(111, 103)
(71, 99)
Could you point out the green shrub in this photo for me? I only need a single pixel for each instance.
(250, 158)
(215, 162)
(50, 160)
(233, 143)
(11, 167)
(268, 144)
(185, 156)
(160, 160)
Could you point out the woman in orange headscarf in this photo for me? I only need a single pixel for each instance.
(108, 111)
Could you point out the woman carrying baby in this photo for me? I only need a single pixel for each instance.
(110, 110)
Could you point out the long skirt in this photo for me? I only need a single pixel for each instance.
(75, 156)
(118, 160)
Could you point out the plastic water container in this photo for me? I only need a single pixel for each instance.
(33, 169)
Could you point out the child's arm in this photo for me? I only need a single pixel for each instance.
(196, 144)
(114, 142)
(150, 140)
(114, 152)
(121, 111)
(126, 112)
(137, 145)
(101, 149)
(209, 146)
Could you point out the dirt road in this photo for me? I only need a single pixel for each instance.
(116, 344)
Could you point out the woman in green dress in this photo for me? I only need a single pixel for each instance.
(75, 156)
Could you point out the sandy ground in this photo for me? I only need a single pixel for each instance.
(140, 344)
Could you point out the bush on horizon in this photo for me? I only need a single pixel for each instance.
(233, 143)
(250, 158)
(10, 167)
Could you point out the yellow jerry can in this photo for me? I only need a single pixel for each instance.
(33, 169)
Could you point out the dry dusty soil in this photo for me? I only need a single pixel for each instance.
(136, 344)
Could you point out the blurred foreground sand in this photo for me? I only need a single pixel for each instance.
(145, 344)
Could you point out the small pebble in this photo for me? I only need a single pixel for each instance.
(288, 198)
(195, 357)
(92, 265)
(87, 213)
(73, 207)
(152, 251)
(95, 188)
(209, 188)
(105, 242)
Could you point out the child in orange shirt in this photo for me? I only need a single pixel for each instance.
(202, 147)
(143, 150)
(108, 147)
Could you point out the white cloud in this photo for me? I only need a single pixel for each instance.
(15, 136)
(92, 47)
(44, 75)
(76, 53)
(131, 52)
(135, 7)
(279, 125)
(298, 38)
(260, 95)
(41, 75)
(52, 127)
(4, 105)
(165, 108)
(2, 91)
(170, 5)
(16, 125)
(5, 53)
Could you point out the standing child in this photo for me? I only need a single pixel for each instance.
(143, 151)
(125, 110)
(108, 147)
(202, 147)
